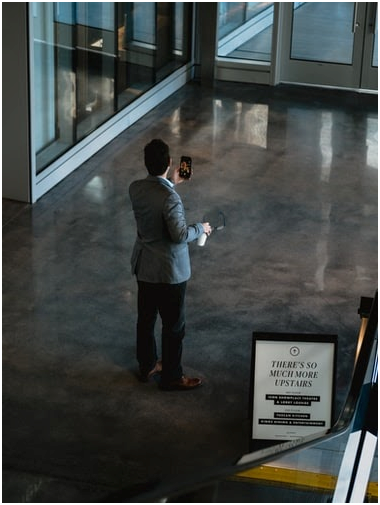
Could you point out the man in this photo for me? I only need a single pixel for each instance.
(161, 263)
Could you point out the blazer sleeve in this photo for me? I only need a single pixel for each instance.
(174, 216)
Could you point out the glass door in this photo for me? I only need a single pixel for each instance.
(329, 43)
(370, 56)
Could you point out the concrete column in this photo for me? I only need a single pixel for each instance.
(208, 43)
(16, 127)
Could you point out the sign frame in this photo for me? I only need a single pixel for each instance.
(296, 394)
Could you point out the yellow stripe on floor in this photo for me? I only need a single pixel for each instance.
(297, 478)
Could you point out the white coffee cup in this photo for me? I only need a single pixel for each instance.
(202, 239)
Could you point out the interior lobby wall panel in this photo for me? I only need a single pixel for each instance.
(15, 139)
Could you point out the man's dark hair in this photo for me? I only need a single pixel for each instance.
(157, 157)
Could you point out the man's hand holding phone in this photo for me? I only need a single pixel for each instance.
(184, 171)
(185, 167)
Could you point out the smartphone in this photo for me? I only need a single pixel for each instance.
(185, 168)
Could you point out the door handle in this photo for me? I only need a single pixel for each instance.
(355, 22)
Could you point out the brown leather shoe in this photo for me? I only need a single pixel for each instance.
(182, 384)
(144, 377)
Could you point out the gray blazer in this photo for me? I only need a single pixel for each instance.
(161, 252)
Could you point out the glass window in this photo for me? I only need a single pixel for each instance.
(143, 22)
(375, 45)
(45, 90)
(245, 30)
(95, 65)
(312, 36)
(92, 59)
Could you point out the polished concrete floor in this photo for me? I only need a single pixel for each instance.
(295, 173)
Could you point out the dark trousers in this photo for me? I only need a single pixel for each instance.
(167, 300)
